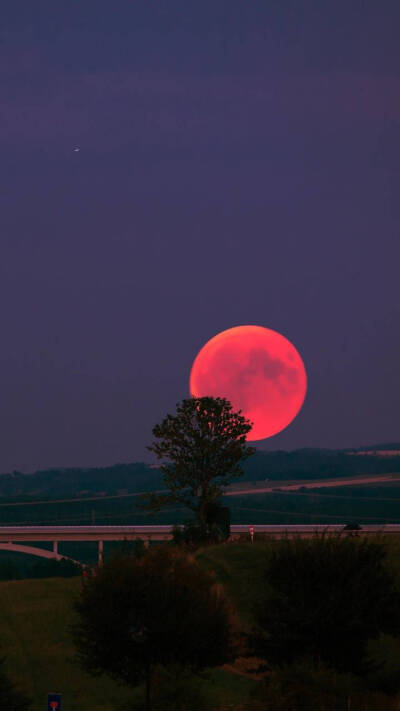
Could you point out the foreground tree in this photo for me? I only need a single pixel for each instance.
(329, 597)
(157, 610)
(202, 448)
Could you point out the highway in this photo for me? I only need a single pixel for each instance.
(14, 534)
(277, 486)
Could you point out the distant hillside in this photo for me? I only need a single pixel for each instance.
(391, 446)
(51, 483)
(134, 477)
(317, 463)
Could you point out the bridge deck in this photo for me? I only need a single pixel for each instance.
(14, 534)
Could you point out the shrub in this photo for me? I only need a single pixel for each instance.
(142, 613)
(325, 598)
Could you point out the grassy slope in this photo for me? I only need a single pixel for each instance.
(34, 618)
(239, 568)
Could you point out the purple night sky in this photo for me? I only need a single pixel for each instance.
(238, 164)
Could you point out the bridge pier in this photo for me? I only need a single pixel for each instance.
(100, 553)
(55, 547)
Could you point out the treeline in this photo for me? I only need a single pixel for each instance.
(54, 483)
(83, 512)
(52, 568)
(318, 463)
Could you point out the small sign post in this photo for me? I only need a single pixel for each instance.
(53, 702)
(251, 531)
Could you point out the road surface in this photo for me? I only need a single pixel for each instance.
(314, 484)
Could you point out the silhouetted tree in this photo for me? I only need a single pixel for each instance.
(142, 612)
(330, 595)
(201, 448)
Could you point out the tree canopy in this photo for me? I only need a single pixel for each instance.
(201, 448)
(159, 609)
(325, 598)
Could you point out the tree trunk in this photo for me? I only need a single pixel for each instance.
(202, 513)
(148, 687)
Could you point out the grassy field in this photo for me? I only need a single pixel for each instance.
(34, 619)
(35, 616)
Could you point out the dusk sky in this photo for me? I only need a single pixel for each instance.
(238, 164)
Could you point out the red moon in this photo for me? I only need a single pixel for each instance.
(258, 370)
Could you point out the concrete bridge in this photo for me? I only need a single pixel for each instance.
(41, 552)
(19, 538)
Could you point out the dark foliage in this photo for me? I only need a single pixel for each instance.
(142, 612)
(126, 547)
(53, 568)
(195, 534)
(202, 448)
(314, 687)
(47, 568)
(78, 481)
(11, 699)
(215, 529)
(9, 570)
(326, 598)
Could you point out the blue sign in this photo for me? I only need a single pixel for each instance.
(54, 702)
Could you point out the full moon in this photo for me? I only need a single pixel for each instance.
(258, 370)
